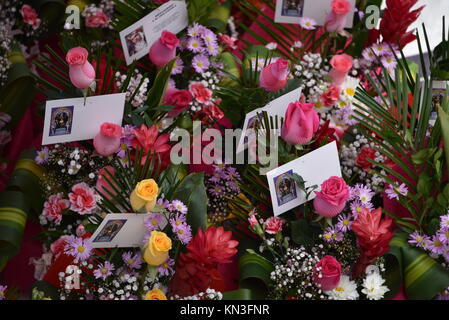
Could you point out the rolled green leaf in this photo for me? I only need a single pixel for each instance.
(254, 267)
(240, 294)
(444, 121)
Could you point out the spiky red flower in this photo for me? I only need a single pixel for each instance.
(197, 270)
(397, 18)
(373, 236)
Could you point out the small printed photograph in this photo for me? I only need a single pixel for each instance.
(437, 100)
(285, 188)
(110, 230)
(292, 8)
(136, 41)
(254, 123)
(61, 121)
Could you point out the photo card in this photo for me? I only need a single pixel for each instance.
(291, 11)
(314, 167)
(121, 230)
(438, 95)
(69, 120)
(277, 107)
(138, 38)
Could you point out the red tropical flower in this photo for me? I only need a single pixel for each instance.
(197, 270)
(325, 134)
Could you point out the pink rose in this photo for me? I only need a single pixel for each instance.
(82, 199)
(327, 273)
(341, 6)
(164, 49)
(103, 184)
(331, 200)
(331, 96)
(336, 20)
(97, 20)
(227, 41)
(77, 56)
(341, 64)
(274, 225)
(253, 221)
(200, 92)
(59, 245)
(178, 98)
(30, 16)
(107, 141)
(301, 122)
(54, 207)
(274, 76)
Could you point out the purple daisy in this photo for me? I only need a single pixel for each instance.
(365, 194)
(232, 174)
(78, 248)
(178, 220)
(344, 223)
(394, 192)
(345, 116)
(195, 45)
(436, 246)
(154, 221)
(217, 176)
(357, 207)
(196, 30)
(3, 292)
(179, 206)
(418, 239)
(132, 261)
(443, 235)
(208, 36)
(212, 49)
(104, 270)
(166, 269)
(200, 63)
(331, 235)
(444, 221)
(178, 67)
(216, 191)
(42, 156)
(184, 233)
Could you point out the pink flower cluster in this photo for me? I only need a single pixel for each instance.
(82, 199)
(54, 207)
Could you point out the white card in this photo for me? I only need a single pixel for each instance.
(69, 120)
(277, 107)
(138, 38)
(314, 167)
(122, 230)
(290, 11)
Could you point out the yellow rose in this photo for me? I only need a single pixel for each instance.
(144, 195)
(156, 250)
(155, 294)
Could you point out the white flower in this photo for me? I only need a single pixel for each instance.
(373, 286)
(271, 46)
(346, 290)
(348, 89)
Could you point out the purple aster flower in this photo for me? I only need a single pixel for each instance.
(444, 221)
(232, 174)
(125, 140)
(357, 207)
(195, 45)
(178, 220)
(166, 269)
(234, 186)
(443, 235)
(132, 261)
(419, 240)
(345, 116)
(78, 248)
(104, 270)
(196, 30)
(179, 206)
(380, 49)
(200, 63)
(183, 43)
(216, 191)
(307, 23)
(394, 192)
(344, 222)
(208, 36)
(178, 67)
(42, 156)
(212, 49)
(369, 55)
(436, 246)
(365, 194)
(3, 292)
(184, 233)
(154, 221)
(217, 176)
(389, 63)
(331, 235)
(124, 273)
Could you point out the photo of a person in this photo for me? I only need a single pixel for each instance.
(292, 8)
(110, 230)
(437, 101)
(285, 188)
(254, 123)
(61, 121)
(136, 41)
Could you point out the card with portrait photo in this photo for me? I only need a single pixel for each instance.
(138, 38)
(291, 11)
(314, 167)
(121, 230)
(438, 96)
(69, 120)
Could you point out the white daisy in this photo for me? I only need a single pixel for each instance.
(346, 290)
(373, 286)
(271, 46)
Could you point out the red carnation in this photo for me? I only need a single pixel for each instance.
(373, 236)
(366, 153)
(197, 270)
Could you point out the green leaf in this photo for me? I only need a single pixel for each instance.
(304, 233)
(255, 272)
(192, 192)
(156, 93)
(444, 122)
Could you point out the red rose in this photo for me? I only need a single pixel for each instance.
(327, 273)
(178, 98)
(362, 158)
(331, 200)
(273, 225)
(169, 39)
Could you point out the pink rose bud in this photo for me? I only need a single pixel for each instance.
(273, 225)
(336, 20)
(164, 49)
(107, 141)
(30, 16)
(81, 72)
(80, 230)
(301, 122)
(178, 98)
(331, 200)
(253, 221)
(341, 64)
(327, 273)
(274, 76)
